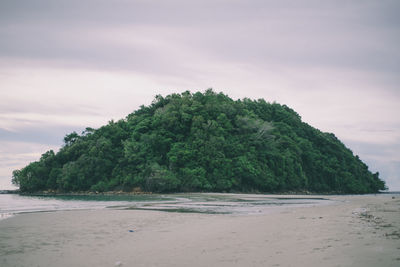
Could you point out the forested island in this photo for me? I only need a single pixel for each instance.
(202, 142)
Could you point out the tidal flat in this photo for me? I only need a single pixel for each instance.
(350, 230)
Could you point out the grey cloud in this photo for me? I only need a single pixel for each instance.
(382, 158)
(388, 171)
(39, 134)
(122, 12)
(196, 12)
(262, 33)
(75, 49)
(26, 106)
(378, 151)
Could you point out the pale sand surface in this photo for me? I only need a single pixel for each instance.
(341, 234)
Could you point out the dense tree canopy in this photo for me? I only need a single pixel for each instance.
(202, 142)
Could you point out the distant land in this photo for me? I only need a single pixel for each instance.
(201, 142)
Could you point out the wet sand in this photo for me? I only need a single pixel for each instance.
(354, 231)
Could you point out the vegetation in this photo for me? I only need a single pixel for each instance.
(202, 142)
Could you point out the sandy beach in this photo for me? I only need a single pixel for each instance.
(353, 231)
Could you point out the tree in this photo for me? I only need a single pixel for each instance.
(202, 142)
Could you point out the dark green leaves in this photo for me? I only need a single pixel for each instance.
(202, 142)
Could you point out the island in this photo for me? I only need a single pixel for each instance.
(202, 142)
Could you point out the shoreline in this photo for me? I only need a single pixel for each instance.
(111, 193)
(356, 230)
(207, 203)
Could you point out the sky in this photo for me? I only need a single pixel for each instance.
(68, 65)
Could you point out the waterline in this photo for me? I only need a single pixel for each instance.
(211, 203)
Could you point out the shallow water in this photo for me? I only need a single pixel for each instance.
(239, 204)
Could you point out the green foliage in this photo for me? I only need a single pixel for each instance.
(202, 142)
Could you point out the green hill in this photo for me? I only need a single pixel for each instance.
(202, 142)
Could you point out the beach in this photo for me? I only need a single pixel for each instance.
(360, 230)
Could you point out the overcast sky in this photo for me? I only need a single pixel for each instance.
(68, 65)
